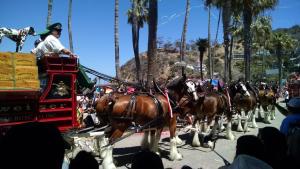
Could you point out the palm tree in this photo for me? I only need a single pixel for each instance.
(137, 16)
(70, 26)
(116, 36)
(183, 35)
(153, 5)
(225, 6)
(215, 43)
(279, 43)
(202, 45)
(250, 9)
(233, 31)
(50, 2)
(209, 49)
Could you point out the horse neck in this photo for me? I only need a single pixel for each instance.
(175, 95)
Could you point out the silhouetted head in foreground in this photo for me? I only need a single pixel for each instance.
(84, 160)
(250, 145)
(275, 146)
(32, 146)
(146, 160)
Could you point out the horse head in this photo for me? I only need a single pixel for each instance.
(105, 104)
(191, 89)
(183, 86)
(241, 88)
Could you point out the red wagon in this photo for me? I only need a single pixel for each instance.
(56, 104)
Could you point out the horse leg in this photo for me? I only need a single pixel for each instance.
(254, 125)
(213, 133)
(145, 140)
(246, 129)
(273, 112)
(103, 141)
(196, 142)
(155, 137)
(229, 134)
(267, 115)
(107, 154)
(260, 112)
(178, 140)
(215, 125)
(204, 125)
(118, 131)
(108, 159)
(221, 125)
(239, 128)
(174, 154)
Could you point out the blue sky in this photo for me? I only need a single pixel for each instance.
(93, 22)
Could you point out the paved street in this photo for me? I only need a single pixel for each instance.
(194, 157)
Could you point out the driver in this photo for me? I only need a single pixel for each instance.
(51, 44)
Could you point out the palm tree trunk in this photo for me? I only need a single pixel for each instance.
(230, 59)
(183, 35)
(201, 61)
(153, 5)
(226, 22)
(209, 49)
(70, 26)
(215, 42)
(247, 20)
(50, 2)
(278, 53)
(135, 43)
(116, 35)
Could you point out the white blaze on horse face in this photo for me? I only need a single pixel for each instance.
(192, 89)
(245, 90)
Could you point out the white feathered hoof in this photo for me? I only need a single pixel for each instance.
(196, 141)
(273, 116)
(254, 125)
(240, 128)
(108, 159)
(102, 150)
(267, 119)
(174, 154)
(178, 141)
(230, 136)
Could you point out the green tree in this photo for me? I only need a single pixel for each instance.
(183, 35)
(137, 16)
(202, 46)
(116, 36)
(250, 9)
(49, 15)
(152, 35)
(279, 43)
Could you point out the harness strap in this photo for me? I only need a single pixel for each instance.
(169, 104)
(130, 109)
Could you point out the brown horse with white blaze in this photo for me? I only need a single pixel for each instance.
(243, 100)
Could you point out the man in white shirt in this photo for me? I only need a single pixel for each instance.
(51, 44)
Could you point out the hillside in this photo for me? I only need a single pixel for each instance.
(168, 55)
(294, 31)
(165, 63)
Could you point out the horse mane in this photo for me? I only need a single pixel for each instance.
(174, 83)
(157, 89)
